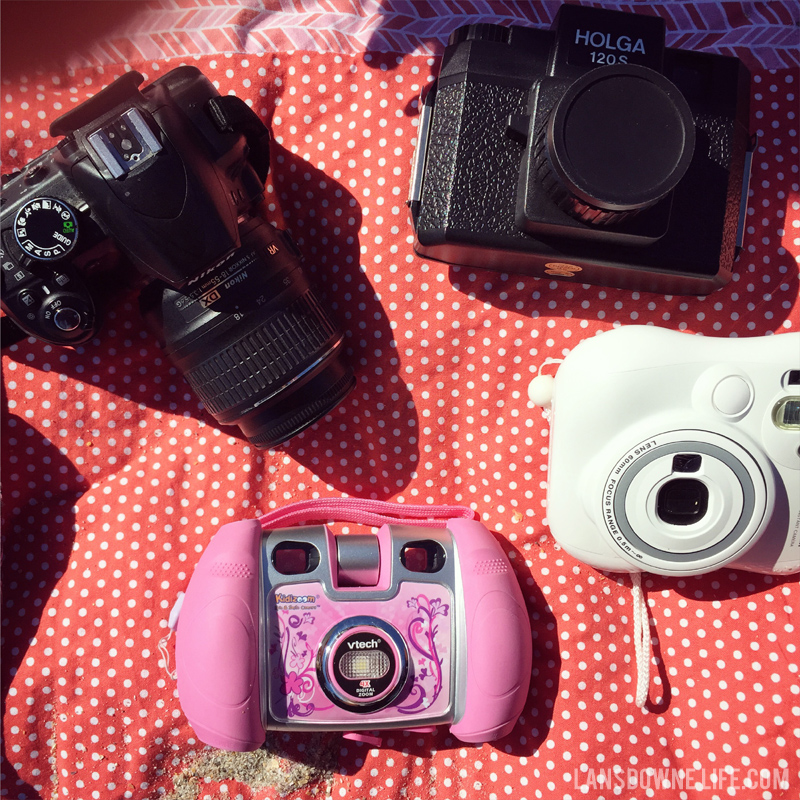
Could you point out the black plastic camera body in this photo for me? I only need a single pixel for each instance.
(160, 188)
(169, 202)
(589, 152)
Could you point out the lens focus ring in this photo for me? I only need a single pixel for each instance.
(618, 140)
(257, 365)
(252, 339)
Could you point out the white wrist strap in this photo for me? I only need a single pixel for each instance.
(641, 640)
(164, 660)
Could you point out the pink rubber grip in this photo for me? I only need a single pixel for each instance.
(499, 642)
(216, 649)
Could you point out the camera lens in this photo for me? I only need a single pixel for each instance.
(363, 664)
(617, 141)
(252, 339)
(682, 501)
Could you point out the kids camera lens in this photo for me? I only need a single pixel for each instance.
(363, 664)
(252, 339)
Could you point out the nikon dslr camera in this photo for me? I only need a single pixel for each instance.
(164, 184)
(298, 629)
(589, 152)
(677, 454)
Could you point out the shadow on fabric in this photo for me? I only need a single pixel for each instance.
(368, 445)
(40, 488)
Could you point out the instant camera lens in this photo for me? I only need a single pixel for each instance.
(252, 339)
(682, 501)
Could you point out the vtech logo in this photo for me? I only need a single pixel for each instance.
(371, 644)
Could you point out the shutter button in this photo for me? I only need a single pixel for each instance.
(732, 396)
(67, 319)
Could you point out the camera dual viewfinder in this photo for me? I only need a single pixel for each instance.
(358, 558)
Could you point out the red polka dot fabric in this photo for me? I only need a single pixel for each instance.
(115, 477)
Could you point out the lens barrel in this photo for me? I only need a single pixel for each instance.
(253, 340)
(618, 140)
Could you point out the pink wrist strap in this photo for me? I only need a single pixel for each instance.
(362, 512)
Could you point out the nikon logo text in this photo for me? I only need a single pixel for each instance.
(372, 643)
(605, 40)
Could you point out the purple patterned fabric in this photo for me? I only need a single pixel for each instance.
(762, 34)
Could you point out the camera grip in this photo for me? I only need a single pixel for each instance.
(499, 642)
(216, 648)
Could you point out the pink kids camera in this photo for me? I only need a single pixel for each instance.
(301, 629)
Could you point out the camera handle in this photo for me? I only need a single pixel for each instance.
(641, 639)
(540, 393)
(363, 512)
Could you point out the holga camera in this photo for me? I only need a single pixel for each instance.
(589, 152)
(164, 184)
(301, 629)
(676, 454)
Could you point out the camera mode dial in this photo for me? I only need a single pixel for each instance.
(46, 228)
(616, 142)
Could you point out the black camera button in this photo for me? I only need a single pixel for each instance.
(60, 318)
(70, 149)
(14, 275)
(12, 254)
(35, 174)
(27, 299)
(67, 319)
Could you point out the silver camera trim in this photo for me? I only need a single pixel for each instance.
(618, 525)
(448, 576)
(108, 153)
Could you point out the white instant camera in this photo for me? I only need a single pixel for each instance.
(676, 454)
